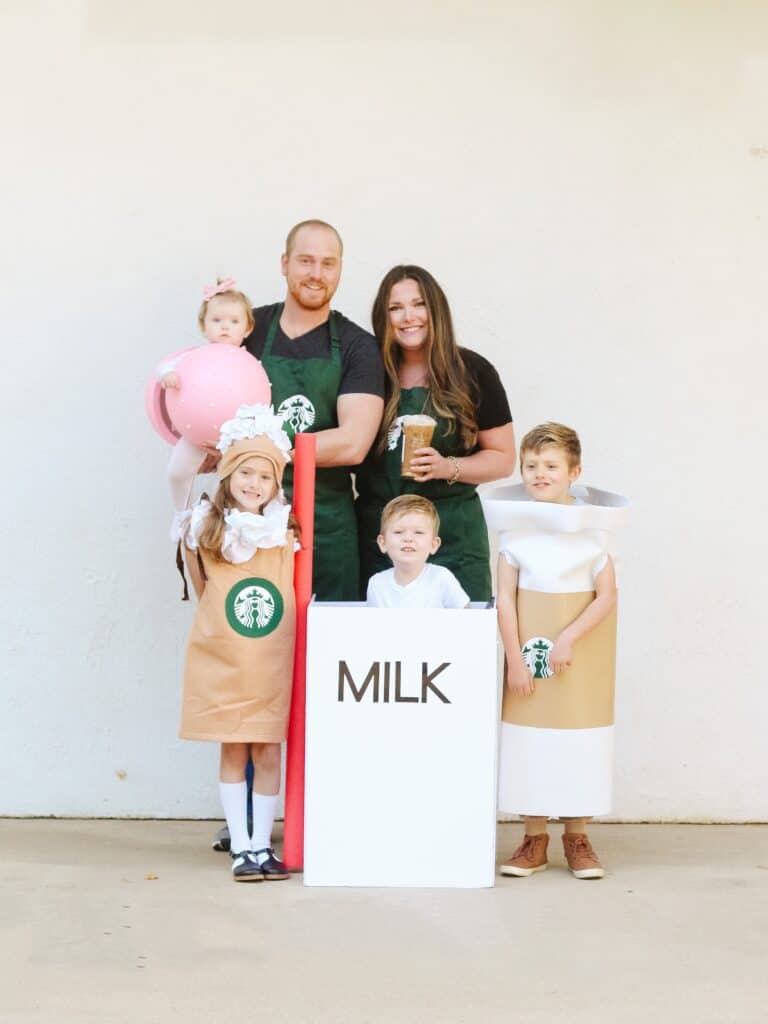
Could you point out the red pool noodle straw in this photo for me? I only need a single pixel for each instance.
(304, 510)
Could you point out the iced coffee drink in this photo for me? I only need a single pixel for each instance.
(417, 433)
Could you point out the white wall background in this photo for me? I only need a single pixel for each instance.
(588, 180)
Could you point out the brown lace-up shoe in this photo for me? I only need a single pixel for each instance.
(530, 856)
(582, 859)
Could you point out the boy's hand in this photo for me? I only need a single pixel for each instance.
(519, 678)
(169, 380)
(561, 655)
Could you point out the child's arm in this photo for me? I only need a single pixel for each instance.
(169, 380)
(518, 675)
(561, 655)
(193, 568)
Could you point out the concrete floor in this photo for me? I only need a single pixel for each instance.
(677, 931)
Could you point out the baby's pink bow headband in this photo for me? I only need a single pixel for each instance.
(216, 289)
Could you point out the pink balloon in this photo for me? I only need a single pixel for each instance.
(214, 380)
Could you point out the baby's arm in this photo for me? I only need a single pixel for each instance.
(518, 675)
(166, 372)
(561, 655)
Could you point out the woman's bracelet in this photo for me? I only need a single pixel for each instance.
(456, 469)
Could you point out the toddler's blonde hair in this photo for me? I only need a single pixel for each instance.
(405, 503)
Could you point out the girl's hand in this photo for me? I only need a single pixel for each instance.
(519, 678)
(429, 464)
(169, 380)
(561, 655)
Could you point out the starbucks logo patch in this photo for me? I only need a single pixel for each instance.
(393, 434)
(254, 607)
(297, 412)
(536, 654)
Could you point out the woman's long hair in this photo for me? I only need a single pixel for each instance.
(212, 534)
(450, 390)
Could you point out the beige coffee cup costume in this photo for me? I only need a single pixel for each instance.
(239, 666)
(556, 755)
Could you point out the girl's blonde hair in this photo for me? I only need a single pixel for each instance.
(233, 295)
(450, 391)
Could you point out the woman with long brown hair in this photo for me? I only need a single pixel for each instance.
(473, 443)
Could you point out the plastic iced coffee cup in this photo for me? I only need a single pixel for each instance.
(417, 433)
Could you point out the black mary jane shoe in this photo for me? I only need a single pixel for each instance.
(271, 868)
(245, 867)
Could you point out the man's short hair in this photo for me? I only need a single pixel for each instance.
(405, 503)
(291, 239)
(557, 435)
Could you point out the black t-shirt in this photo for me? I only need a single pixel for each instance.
(362, 371)
(491, 405)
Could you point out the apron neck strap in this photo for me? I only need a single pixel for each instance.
(333, 330)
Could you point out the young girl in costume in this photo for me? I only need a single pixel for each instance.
(239, 666)
(225, 318)
(556, 601)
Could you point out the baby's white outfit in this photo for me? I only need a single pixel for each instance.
(434, 587)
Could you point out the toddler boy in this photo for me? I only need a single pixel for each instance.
(409, 535)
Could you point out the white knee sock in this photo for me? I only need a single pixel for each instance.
(263, 819)
(233, 800)
(186, 459)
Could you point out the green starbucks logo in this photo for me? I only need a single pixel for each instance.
(536, 655)
(254, 607)
(297, 412)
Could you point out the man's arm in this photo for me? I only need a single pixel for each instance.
(359, 419)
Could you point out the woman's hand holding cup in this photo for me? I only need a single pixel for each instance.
(429, 464)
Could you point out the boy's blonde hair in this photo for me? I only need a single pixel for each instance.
(405, 503)
(233, 295)
(557, 435)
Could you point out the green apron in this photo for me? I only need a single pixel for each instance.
(305, 391)
(464, 549)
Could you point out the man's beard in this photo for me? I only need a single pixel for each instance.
(310, 299)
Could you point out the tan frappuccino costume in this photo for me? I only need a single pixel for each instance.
(556, 756)
(239, 666)
(237, 687)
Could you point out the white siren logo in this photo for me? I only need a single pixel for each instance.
(536, 656)
(393, 434)
(254, 607)
(297, 412)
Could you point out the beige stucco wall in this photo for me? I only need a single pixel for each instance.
(589, 182)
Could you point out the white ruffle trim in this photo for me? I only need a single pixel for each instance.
(192, 522)
(253, 421)
(179, 524)
(244, 532)
(247, 531)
